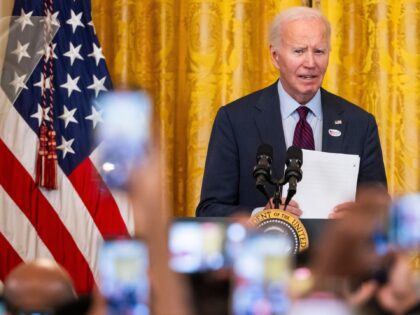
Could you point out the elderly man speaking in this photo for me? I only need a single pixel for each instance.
(295, 110)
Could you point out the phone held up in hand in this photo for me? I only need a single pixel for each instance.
(124, 135)
(123, 276)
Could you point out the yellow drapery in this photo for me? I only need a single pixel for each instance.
(196, 55)
(375, 63)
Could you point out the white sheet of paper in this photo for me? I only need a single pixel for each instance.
(328, 179)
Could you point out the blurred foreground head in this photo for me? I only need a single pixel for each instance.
(40, 285)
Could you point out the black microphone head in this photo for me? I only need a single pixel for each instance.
(262, 171)
(265, 149)
(294, 153)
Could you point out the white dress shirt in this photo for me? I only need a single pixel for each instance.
(290, 116)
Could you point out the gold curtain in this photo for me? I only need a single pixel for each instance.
(195, 55)
(375, 62)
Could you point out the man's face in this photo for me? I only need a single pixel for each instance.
(301, 56)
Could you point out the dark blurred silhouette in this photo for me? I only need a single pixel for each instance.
(210, 292)
(80, 306)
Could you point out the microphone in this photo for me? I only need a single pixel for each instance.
(293, 173)
(262, 171)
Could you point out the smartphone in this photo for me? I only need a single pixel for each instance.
(197, 246)
(124, 135)
(261, 272)
(123, 276)
(380, 237)
(405, 222)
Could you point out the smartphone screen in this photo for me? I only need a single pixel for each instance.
(124, 135)
(405, 222)
(197, 246)
(261, 272)
(123, 272)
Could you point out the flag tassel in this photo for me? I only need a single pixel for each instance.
(46, 165)
(51, 167)
(42, 156)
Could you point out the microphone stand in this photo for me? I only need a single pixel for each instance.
(278, 192)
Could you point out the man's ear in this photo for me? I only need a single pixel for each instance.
(274, 57)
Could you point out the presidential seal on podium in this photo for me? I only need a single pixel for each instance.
(279, 221)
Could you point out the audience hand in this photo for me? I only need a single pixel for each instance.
(341, 210)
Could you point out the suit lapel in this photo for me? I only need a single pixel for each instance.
(334, 124)
(269, 124)
(270, 128)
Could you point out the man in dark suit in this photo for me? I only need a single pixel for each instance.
(299, 46)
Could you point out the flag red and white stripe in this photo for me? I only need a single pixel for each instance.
(67, 224)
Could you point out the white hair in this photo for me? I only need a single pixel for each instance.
(292, 14)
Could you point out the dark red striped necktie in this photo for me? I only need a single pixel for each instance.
(303, 137)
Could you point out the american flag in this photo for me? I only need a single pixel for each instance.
(67, 224)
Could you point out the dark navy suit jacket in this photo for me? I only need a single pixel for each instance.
(241, 126)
